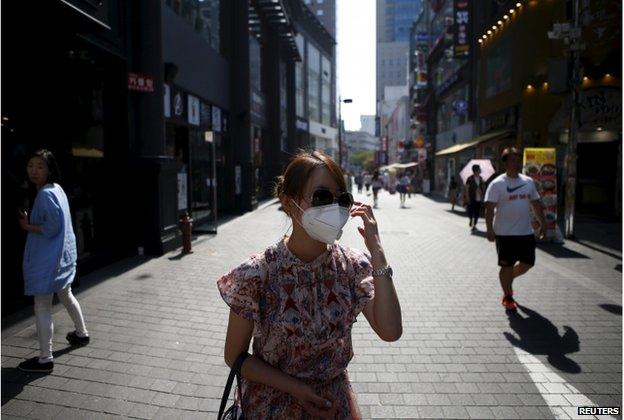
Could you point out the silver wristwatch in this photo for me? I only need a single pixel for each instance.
(384, 271)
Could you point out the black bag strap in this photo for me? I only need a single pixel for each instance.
(234, 372)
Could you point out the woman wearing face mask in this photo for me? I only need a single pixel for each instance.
(49, 259)
(300, 297)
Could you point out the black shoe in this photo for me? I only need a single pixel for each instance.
(74, 340)
(33, 365)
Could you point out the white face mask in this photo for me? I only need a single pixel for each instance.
(324, 223)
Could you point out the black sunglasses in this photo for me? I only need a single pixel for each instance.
(325, 197)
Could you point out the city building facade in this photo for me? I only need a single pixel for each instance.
(325, 12)
(367, 123)
(199, 123)
(394, 21)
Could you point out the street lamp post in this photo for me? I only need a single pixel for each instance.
(340, 101)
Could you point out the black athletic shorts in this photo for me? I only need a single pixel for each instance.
(511, 249)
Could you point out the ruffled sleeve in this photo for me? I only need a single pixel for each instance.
(363, 284)
(241, 288)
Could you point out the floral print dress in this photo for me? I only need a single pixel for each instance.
(302, 315)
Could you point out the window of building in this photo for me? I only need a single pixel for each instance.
(319, 1)
(300, 78)
(254, 62)
(314, 75)
(326, 102)
(202, 15)
(453, 110)
(319, 12)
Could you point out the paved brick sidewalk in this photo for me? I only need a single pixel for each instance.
(158, 330)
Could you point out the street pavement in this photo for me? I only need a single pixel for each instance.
(158, 328)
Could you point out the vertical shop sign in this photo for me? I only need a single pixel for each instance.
(167, 101)
(216, 119)
(461, 36)
(541, 165)
(193, 110)
(178, 104)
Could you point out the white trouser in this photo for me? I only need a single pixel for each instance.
(43, 316)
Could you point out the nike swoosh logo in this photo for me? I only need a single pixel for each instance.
(510, 190)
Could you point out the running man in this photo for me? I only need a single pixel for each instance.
(513, 195)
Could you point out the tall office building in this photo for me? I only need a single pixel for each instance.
(394, 20)
(325, 11)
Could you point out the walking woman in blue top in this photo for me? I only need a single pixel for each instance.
(49, 259)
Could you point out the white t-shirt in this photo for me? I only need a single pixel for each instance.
(513, 198)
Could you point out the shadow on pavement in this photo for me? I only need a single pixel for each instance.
(558, 251)
(479, 233)
(80, 286)
(437, 198)
(179, 256)
(614, 309)
(14, 380)
(537, 335)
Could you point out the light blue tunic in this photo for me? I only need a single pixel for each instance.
(50, 257)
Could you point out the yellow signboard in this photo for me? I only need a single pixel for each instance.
(541, 165)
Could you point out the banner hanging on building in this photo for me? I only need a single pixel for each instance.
(461, 39)
(541, 165)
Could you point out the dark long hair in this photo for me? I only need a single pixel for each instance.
(54, 174)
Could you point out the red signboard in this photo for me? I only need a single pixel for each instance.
(140, 82)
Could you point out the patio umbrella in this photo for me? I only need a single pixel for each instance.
(487, 170)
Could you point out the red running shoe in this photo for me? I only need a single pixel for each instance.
(509, 303)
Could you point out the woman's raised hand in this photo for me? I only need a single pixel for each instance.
(369, 231)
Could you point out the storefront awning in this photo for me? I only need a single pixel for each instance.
(477, 140)
(399, 166)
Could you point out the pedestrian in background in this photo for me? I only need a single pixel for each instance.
(453, 192)
(359, 181)
(377, 183)
(474, 191)
(349, 180)
(300, 297)
(368, 179)
(49, 259)
(513, 194)
(402, 187)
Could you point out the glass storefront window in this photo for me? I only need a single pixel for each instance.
(444, 69)
(254, 62)
(453, 110)
(442, 20)
(300, 86)
(203, 15)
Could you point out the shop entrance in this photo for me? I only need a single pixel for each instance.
(77, 109)
(197, 186)
(597, 191)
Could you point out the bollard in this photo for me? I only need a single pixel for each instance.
(186, 224)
